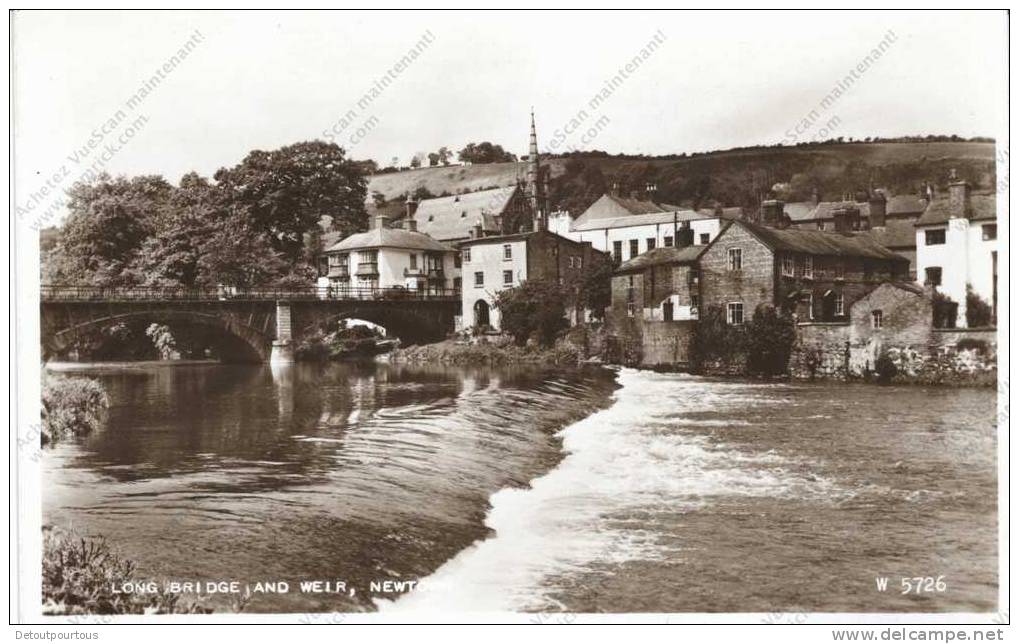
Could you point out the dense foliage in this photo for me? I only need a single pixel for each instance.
(885, 368)
(80, 576)
(255, 225)
(534, 310)
(485, 152)
(978, 312)
(715, 341)
(71, 407)
(770, 338)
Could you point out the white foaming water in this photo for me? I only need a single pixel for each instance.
(633, 456)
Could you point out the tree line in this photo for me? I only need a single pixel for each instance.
(258, 223)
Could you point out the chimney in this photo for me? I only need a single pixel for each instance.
(412, 206)
(381, 221)
(878, 206)
(958, 198)
(815, 196)
(411, 224)
(847, 217)
(684, 236)
(615, 188)
(476, 231)
(773, 213)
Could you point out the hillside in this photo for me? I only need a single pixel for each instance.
(733, 177)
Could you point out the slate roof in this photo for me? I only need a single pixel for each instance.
(610, 206)
(983, 207)
(905, 205)
(661, 256)
(653, 218)
(389, 238)
(800, 210)
(821, 242)
(896, 233)
(453, 217)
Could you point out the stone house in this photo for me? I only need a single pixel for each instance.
(815, 275)
(493, 264)
(655, 305)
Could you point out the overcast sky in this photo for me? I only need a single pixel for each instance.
(263, 80)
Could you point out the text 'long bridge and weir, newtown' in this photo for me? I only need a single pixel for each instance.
(911, 275)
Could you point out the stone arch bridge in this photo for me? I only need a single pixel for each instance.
(256, 325)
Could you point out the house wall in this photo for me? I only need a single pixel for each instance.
(489, 260)
(602, 238)
(859, 277)
(964, 258)
(753, 285)
(643, 334)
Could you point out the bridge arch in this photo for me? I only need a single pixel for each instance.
(244, 343)
(410, 326)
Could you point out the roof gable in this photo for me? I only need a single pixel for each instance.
(661, 256)
(817, 242)
(453, 217)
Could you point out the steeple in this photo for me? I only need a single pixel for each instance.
(535, 191)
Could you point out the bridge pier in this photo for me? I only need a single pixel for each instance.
(283, 345)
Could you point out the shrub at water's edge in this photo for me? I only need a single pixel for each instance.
(80, 575)
(71, 407)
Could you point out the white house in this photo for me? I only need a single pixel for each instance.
(493, 264)
(384, 257)
(956, 246)
(626, 227)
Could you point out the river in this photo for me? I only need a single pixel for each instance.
(583, 491)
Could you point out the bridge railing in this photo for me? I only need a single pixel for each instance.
(75, 293)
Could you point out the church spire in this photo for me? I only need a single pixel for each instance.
(534, 178)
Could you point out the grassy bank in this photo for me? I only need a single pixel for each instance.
(461, 353)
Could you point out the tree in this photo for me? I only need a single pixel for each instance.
(108, 222)
(243, 256)
(433, 159)
(594, 287)
(535, 309)
(715, 340)
(771, 336)
(485, 152)
(978, 312)
(415, 161)
(286, 192)
(444, 155)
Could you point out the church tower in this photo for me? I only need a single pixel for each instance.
(536, 185)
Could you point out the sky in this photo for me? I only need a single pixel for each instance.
(261, 80)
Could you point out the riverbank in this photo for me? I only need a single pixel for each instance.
(455, 352)
(71, 407)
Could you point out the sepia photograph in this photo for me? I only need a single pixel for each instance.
(331, 317)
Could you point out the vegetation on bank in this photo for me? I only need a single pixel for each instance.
(80, 576)
(71, 407)
(356, 341)
(761, 347)
(484, 352)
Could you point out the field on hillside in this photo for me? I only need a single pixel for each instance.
(735, 177)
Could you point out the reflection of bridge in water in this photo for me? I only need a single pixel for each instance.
(255, 325)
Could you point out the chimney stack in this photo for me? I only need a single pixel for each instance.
(878, 209)
(958, 198)
(684, 236)
(847, 217)
(476, 231)
(412, 206)
(381, 221)
(411, 224)
(773, 213)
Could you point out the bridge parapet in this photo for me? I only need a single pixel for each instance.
(74, 293)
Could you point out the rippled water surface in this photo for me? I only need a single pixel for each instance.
(684, 495)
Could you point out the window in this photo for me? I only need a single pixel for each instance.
(479, 279)
(507, 278)
(705, 238)
(989, 231)
(820, 225)
(617, 251)
(934, 237)
(810, 306)
(788, 266)
(735, 312)
(457, 283)
(840, 304)
(667, 310)
(507, 251)
(634, 251)
(695, 301)
(413, 260)
(456, 260)
(933, 275)
(467, 255)
(667, 241)
(808, 267)
(650, 243)
(736, 259)
(840, 270)
(876, 319)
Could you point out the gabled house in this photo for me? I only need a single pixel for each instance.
(385, 258)
(957, 248)
(451, 219)
(816, 275)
